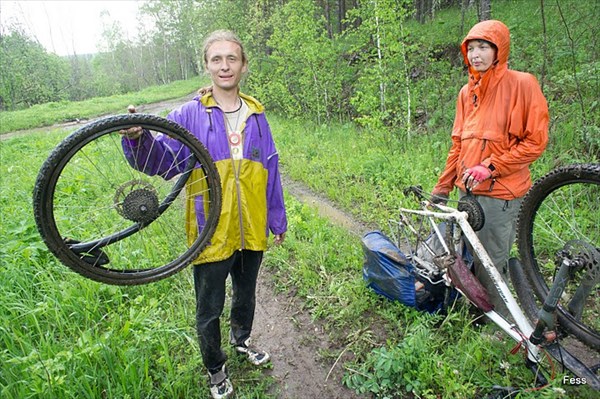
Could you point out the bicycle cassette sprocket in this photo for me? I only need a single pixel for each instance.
(475, 215)
(137, 201)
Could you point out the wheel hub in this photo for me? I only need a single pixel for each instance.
(583, 256)
(137, 201)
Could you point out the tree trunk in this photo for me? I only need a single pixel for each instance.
(486, 10)
(380, 61)
(341, 15)
(544, 46)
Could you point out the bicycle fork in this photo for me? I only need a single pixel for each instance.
(546, 314)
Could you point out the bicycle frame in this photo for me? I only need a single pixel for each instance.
(524, 328)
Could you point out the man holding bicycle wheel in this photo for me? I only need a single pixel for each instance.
(500, 128)
(234, 129)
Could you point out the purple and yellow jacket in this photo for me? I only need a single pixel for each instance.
(252, 201)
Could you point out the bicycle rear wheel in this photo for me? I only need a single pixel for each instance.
(561, 211)
(114, 224)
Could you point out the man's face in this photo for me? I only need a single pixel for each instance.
(481, 55)
(225, 65)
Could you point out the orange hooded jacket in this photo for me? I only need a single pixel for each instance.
(501, 120)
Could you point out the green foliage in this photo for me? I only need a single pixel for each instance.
(297, 78)
(366, 174)
(66, 111)
(362, 171)
(29, 74)
(383, 90)
(375, 63)
(448, 360)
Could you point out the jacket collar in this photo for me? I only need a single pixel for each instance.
(253, 104)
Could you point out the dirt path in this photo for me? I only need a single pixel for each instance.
(289, 334)
(155, 108)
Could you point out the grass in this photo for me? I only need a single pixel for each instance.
(65, 111)
(64, 336)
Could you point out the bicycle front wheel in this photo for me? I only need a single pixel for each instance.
(114, 224)
(561, 211)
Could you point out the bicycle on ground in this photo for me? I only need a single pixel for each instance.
(556, 277)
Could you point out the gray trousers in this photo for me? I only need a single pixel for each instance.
(497, 237)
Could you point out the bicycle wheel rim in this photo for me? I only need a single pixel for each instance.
(561, 208)
(85, 191)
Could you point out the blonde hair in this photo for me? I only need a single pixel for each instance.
(223, 35)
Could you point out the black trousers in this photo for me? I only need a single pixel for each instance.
(209, 283)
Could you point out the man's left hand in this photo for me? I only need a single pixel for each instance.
(279, 238)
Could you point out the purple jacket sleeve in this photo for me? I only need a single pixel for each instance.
(160, 155)
(277, 218)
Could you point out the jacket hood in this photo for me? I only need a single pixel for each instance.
(494, 32)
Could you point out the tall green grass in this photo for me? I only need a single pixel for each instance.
(65, 111)
(65, 336)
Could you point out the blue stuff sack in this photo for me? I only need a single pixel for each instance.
(390, 273)
(386, 269)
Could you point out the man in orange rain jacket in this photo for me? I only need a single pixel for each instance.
(500, 128)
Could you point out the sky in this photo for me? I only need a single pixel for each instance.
(65, 27)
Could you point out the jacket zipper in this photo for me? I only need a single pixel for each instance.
(236, 174)
(239, 200)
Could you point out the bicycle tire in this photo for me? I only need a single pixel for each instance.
(531, 308)
(559, 208)
(87, 192)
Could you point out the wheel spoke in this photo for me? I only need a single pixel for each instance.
(561, 208)
(88, 193)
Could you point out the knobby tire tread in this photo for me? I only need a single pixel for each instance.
(577, 173)
(59, 157)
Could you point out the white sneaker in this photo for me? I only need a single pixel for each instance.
(255, 356)
(220, 385)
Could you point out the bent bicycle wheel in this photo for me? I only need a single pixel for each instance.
(114, 224)
(561, 213)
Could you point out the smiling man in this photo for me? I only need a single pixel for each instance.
(234, 129)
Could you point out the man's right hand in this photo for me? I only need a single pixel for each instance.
(135, 132)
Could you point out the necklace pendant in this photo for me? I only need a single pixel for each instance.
(235, 138)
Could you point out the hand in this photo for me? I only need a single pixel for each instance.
(135, 132)
(475, 175)
(279, 238)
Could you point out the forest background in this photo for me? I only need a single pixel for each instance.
(361, 98)
(392, 66)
